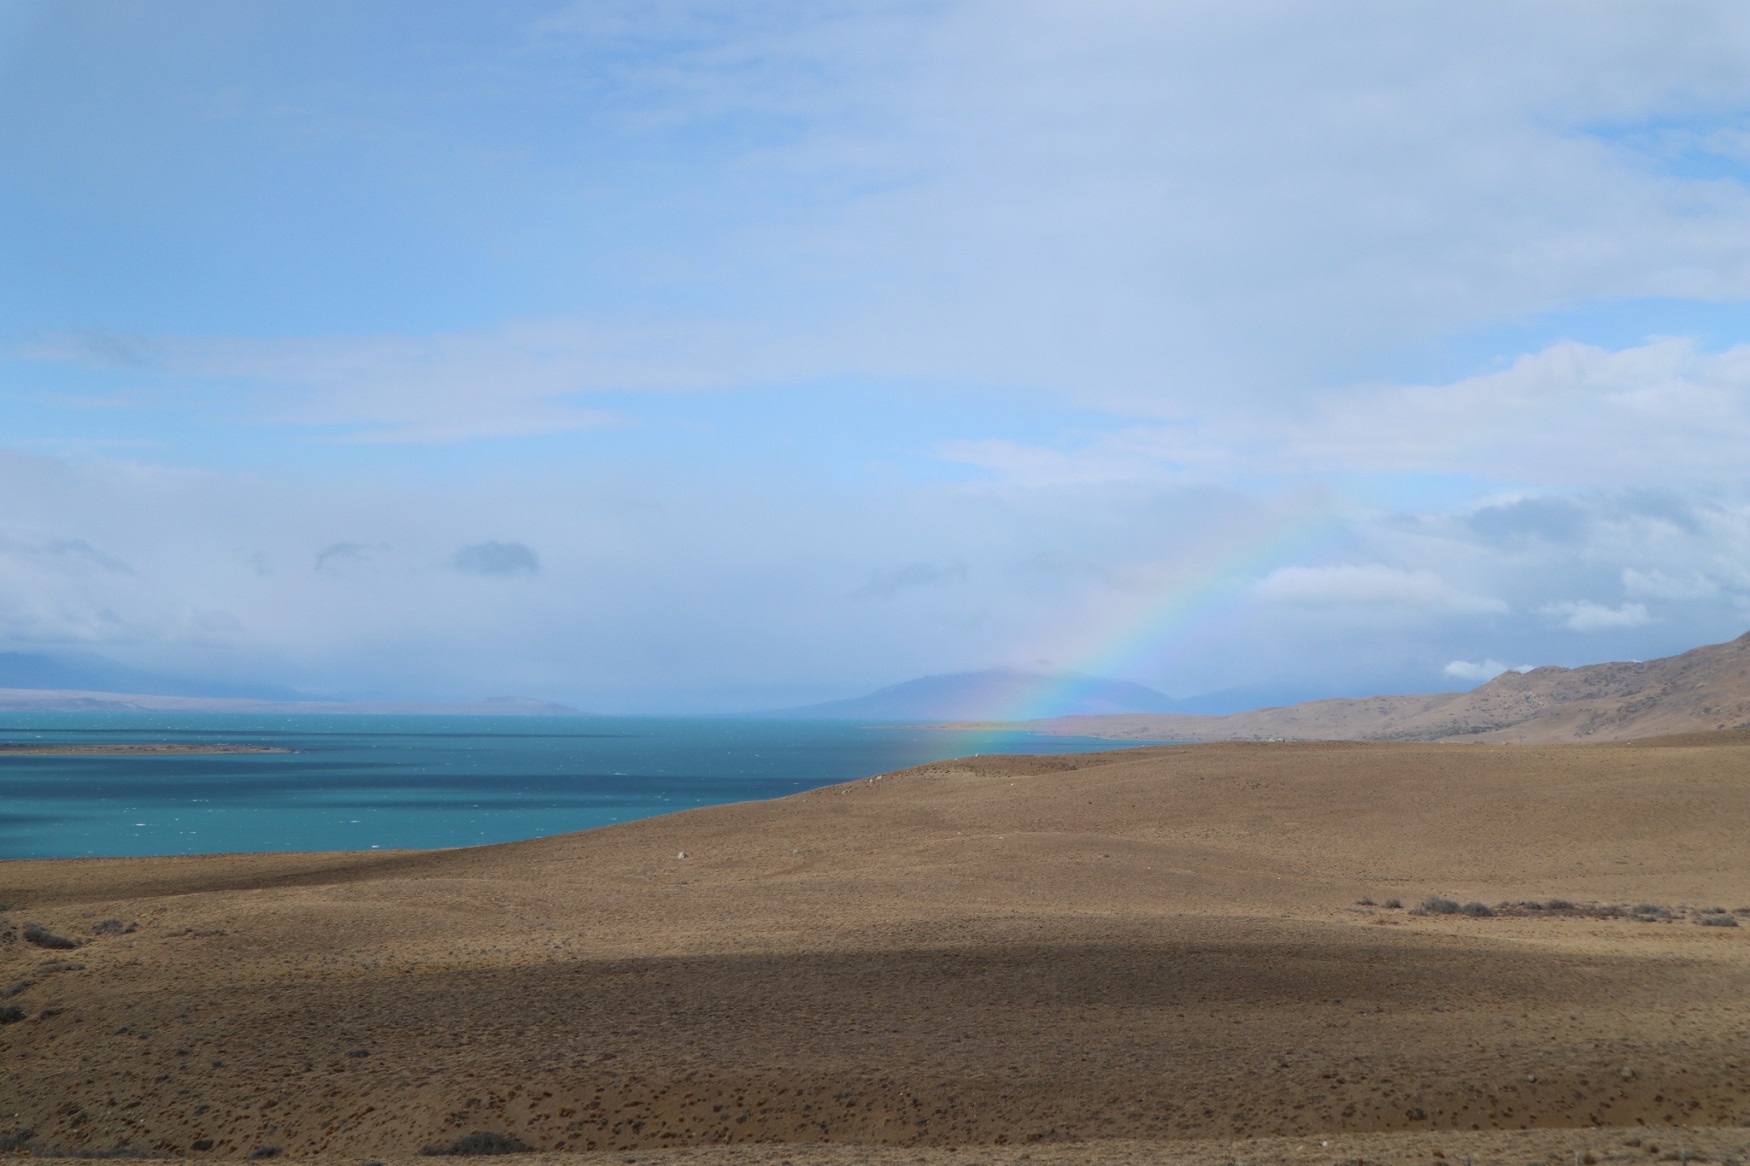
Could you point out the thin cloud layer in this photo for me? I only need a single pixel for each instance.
(1662, 414)
(1258, 199)
(885, 584)
(1369, 584)
(1481, 670)
(1583, 615)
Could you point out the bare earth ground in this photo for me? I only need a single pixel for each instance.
(1147, 955)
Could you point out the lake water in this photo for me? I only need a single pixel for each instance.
(385, 782)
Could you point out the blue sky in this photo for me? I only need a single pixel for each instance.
(699, 356)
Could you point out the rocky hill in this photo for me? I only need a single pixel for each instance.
(1702, 689)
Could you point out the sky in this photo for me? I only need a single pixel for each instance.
(699, 356)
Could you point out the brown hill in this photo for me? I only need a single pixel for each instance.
(1112, 957)
(1703, 689)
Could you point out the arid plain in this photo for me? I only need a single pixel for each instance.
(1151, 954)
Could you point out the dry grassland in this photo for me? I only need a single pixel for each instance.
(1147, 955)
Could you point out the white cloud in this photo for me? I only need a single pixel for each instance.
(519, 380)
(1125, 203)
(1586, 616)
(1481, 670)
(1656, 584)
(1248, 192)
(1369, 584)
(1663, 414)
(660, 591)
(1185, 214)
(1574, 414)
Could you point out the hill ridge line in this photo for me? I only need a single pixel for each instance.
(1703, 689)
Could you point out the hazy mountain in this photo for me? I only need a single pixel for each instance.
(86, 672)
(1703, 689)
(85, 700)
(1244, 698)
(83, 682)
(993, 694)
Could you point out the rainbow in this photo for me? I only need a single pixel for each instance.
(1201, 596)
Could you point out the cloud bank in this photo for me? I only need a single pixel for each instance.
(699, 356)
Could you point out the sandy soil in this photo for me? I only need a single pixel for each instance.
(1145, 955)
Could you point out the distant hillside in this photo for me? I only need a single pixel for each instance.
(85, 672)
(995, 693)
(1702, 689)
(79, 700)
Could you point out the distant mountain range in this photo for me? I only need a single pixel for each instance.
(1704, 689)
(993, 694)
(83, 700)
(81, 682)
(85, 672)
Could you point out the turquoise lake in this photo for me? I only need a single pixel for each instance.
(390, 782)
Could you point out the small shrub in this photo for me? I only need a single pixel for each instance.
(1435, 905)
(1713, 911)
(1364, 902)
(1393, 904)
(1476, 910)
(1652, 909)
(1558, 905)
(11, 1014)
(203, 1145)
(36, 933)
(480, 1142)
(115, 927)
(1717, 921)
(265, 1152)
(16, 1140)
(15, 989)
(359, 1053)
